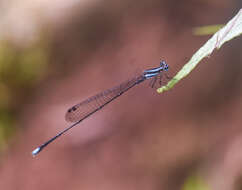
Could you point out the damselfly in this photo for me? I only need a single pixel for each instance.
(83, 110)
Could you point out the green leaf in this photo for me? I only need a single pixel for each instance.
(232, 29)
(195, 183)
(207, 30)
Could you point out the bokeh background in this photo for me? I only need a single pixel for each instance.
(54, 54)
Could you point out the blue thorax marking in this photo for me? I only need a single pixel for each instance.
(149, 73)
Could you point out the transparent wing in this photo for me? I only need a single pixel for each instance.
(94, 103)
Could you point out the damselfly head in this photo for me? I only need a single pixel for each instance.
(164, 65)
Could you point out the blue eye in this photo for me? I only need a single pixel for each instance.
(162, 63)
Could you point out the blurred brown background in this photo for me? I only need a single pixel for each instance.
(53, 54)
